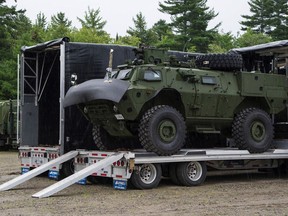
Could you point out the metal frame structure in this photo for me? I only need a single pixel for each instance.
(33, 82)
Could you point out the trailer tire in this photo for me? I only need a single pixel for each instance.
(99, 180)
(191, 173)
(146, 176)
(252, 129)
(67, 169)
(162, 130)
(173, 173)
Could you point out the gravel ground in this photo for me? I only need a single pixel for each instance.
(226, 194)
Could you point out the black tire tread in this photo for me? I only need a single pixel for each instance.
(182, 175)
(137, 183)
(97, 134)
(144, 130)
(223, 61)
(239, 135)
(173, 173)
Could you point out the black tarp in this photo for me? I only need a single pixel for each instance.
(42, 46)
(90, 61)
(87, 61)
(260, 57)
(262, 47)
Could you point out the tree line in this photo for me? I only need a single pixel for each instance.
(187, 30)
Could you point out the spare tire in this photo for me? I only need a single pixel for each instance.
(224, 62)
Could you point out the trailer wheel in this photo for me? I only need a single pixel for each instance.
(98, 180)
(253, 130)
(191, 173)
(162, 130)
(67, 169)
(146, 176)
(173, 173)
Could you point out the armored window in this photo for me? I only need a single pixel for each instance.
(151, 75)
(209, 80)
(123, 74)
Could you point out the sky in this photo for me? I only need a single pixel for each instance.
(119, 13)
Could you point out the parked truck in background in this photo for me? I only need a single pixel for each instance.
(8, 124)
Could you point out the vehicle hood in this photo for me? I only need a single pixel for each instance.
(96, 89)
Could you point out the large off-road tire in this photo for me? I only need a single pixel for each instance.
(146, 176)
(102, 139)
(225, 62)
(252, 129)
(191, 173)
(162, 130)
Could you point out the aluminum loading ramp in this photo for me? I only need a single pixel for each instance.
(78, 176)
(37, 171)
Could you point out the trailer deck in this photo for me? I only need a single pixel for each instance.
(137, 165)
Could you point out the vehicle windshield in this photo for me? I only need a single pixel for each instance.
(123, 74)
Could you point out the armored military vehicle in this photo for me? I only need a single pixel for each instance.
(163, 102)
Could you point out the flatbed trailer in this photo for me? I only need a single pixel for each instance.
(46, 73)
(141, 169)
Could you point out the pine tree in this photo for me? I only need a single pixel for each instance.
(92, 20)
(161, 28)
(11, 24)
(189, 19)
(261, 18)
(59, 27)
(269, 17)
(39, 28)
(165, 36)
(8, 25)
(280, 20)
(60, 20)
(140, 26)
(140, 30)
(92, 28)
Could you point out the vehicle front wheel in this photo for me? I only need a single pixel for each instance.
(146, 176)
(162, 130)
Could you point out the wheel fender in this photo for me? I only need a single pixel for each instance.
(97, 89)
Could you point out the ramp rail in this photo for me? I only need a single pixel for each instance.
(78, 176)
(37, 171)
